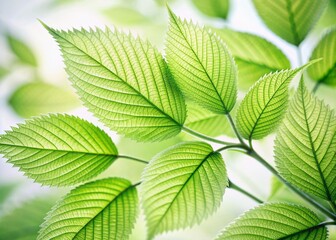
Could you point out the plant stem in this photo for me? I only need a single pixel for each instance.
(234, 128)
(133, 158)
(239, 146)
(199, 135)
(239, 189)
(306, 197)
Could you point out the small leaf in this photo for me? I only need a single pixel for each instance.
(213, 8)
(306, 144)
(104, 209)
(35, 98)
(263, 107)
(124, 81)
(291, 20)
(125, 15)
(22, 51)
(182, 186)
(206, 122)
(253, 62)
(23, 222)
(207, 72)
(3, 72)
(276, 221)
(58, 149)
(325, 70)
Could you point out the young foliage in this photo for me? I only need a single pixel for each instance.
(325, 70)
(36, 98)
(182, 186)
(104, 209)
(21, 50)
(276, 221)
(265, 104)
(206, 73)
(306, 144)
(291, 20)
(207, 122)
(124, 81)
(58, 150)
(253, 62)
(213, 8)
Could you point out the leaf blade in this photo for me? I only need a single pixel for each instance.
(37, 98)
(325, 70)
(294, 19)
(253, 62)
(106, 207)
(276, 221)
(311, 149)
(170, 183)
(213, 8)
(264, 105)
(58, 150)
(124, 81)
(197, 67)
(21, 50)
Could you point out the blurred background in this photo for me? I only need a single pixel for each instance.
(33, 82)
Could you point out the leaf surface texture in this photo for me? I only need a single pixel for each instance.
(182, 186)
(58, 150)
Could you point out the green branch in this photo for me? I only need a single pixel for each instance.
(246, 193)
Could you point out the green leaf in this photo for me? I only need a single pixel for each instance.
(125, 15)
(3, 72)
(206, 122)
(291, 20)
(253, 62)
(6, 190)
(23, 222)
(104, 209)
(205, 72)
(263, 107)
(213, 8)
(21, 50)
(325, 70)
(305, 146)
(276, 221)
(182, 186)
(124, 81)
(35, 98)
(58, 149)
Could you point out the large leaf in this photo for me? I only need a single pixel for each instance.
(201, 65)
(264, 105)
(253, 62)
(58, 149)
(23, 222)
(182, 186)
(124, 81)
(37, 98)
(213, 8)
(276, 221)
(206, 122)
(21, 50)
(104, 209)
(290, 19)
(325, 70)
(306, 144)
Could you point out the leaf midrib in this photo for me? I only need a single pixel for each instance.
(182, 187)
(317, 227)
(125, 82)
(58, 150)
(205, 71)
(292, 22)
(107, 205)
(313, 147)
(263, 110)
